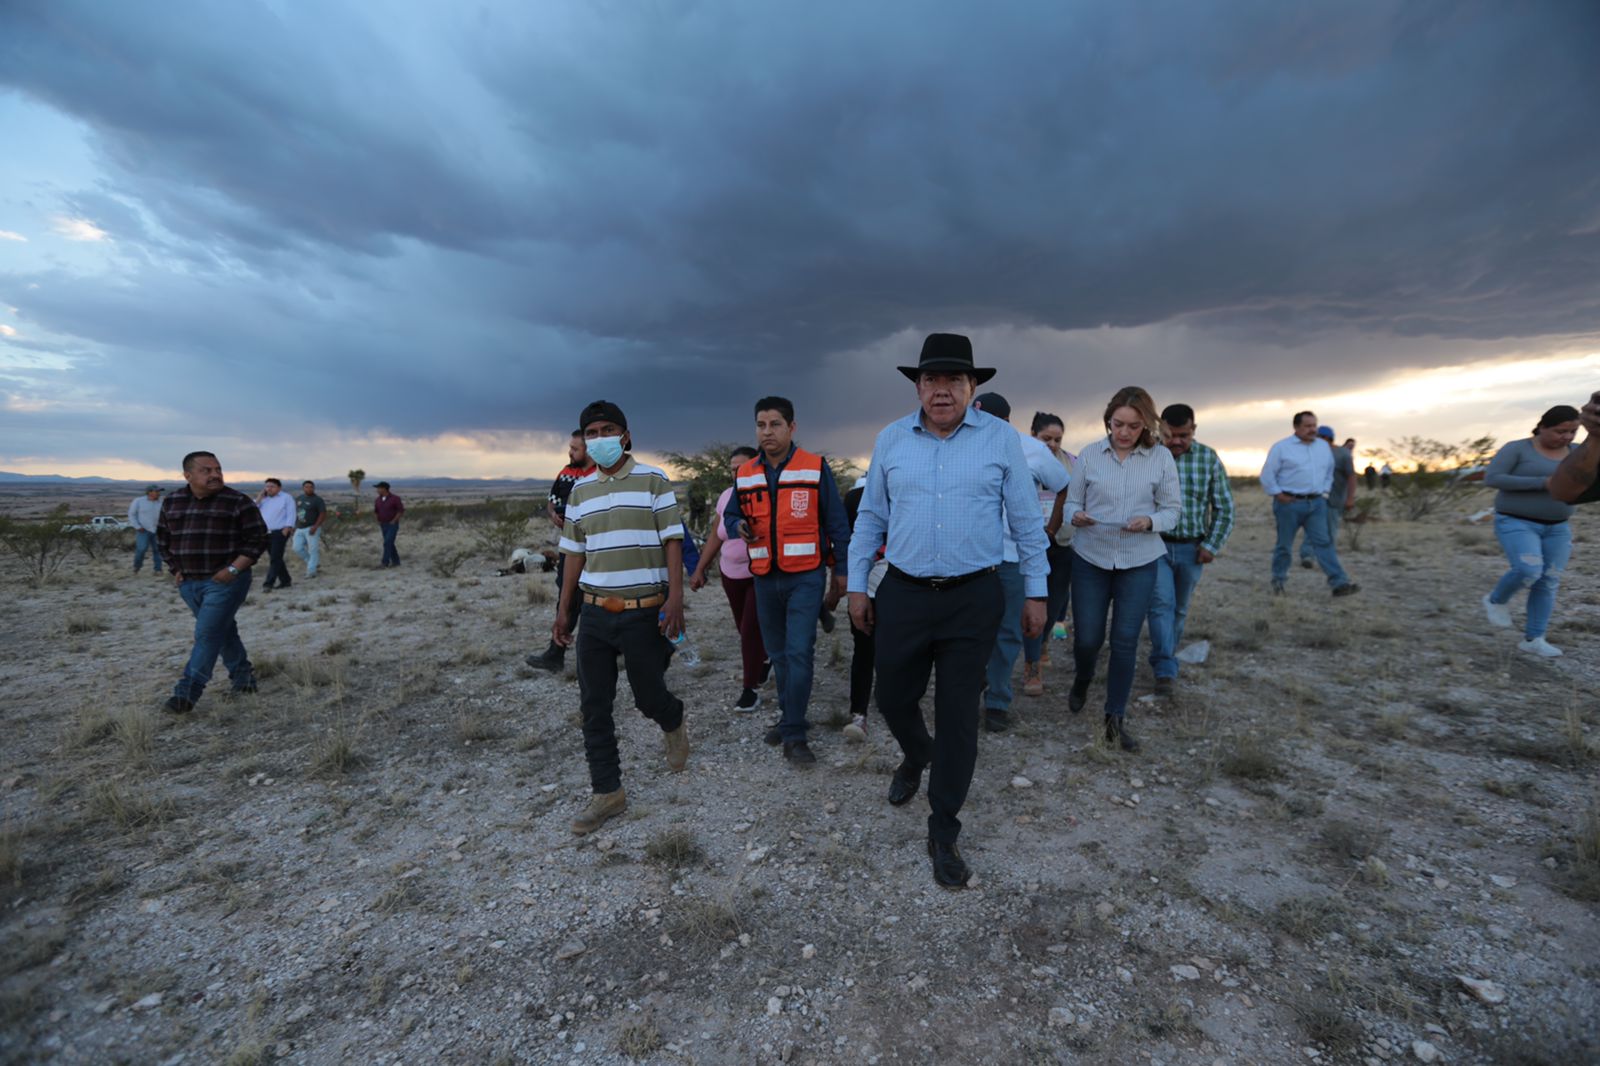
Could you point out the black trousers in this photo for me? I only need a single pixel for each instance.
(920, 630)
(277, 572)
(577, 601)
(861, 659)
(636, 635)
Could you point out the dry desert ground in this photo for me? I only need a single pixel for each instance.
(1366, 831)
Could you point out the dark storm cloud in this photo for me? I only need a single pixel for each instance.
(431, 222)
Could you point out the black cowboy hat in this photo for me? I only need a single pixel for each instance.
(947, 351)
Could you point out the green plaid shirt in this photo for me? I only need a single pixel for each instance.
(1207, 498)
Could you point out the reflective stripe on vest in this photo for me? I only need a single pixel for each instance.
(793, 519)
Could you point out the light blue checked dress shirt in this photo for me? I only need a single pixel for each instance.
(941, 505)
(1115, 491)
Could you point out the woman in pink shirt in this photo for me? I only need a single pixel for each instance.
(740, 587)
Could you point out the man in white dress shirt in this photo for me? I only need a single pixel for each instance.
(277, 511)
(1298, 475)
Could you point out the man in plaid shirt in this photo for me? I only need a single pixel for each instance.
(1203, 527)
(211, 536)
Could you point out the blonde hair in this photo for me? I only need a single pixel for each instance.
(1135, 397)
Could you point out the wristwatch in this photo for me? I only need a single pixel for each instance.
(234, 570)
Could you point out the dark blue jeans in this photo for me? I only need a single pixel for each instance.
(1060, 592)
(1177, 573)
(144, 541)
(391, 557)
(1007, 641)
(788, 606)
(1312, 516)
(1125, 596)
(215, 632)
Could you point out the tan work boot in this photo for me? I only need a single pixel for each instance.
(678, 747)
(1032, 680)
(603, 806)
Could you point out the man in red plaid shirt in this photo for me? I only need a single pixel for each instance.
(211, 536)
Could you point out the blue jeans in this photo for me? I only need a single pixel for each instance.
(1335, 519)
(1538, 554)
(308, 545)
(1125, 595)
(1177, 573)
(391, 557)
(1060, 556)
(1310, 515)
(142, 542)
(215, 631)
(788, 606)
(1007, 640)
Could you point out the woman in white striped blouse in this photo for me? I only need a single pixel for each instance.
(1123, 496)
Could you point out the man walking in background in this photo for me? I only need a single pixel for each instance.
(625, 538)
(211, 536)
(309, 513)
(944, 482)
(1298, 475)
(579, 466)
(786, 508)
(1203, 527)
(1050, 475)
(143, 514)
(278, 512)
(387, 509)
(1341, 496)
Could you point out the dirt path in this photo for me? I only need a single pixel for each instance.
(1353, 805)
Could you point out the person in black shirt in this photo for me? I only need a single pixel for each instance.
(579, 466)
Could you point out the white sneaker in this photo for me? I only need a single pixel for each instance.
(1499, 614)
(857, 729)
(1540, 646)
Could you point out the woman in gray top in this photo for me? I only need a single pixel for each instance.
(1532, 525)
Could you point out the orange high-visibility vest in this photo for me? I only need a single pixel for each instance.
(790, 531)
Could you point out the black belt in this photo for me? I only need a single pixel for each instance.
(940, 583)
(1540, 521)
(1182, 540)
(1306, 495)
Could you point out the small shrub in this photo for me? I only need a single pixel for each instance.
(336, 646)
(475, 728)
(1309, 918)
(674, 848)
(477, 655)
(42, 546)
(363, 598)
(447, 563)
(1346, 839)
(539, 592)
(705, 921)
(1252, 760)
(85, 622)
(127, 808)
(135, 729)
(90, 724)
(640, 1037)
(334, 751)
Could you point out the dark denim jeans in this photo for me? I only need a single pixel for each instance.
(1060, 593)
(636, 636)
(788, 606)
(144, 541)
(1177, 573)
(277, 572)
(391, 557)
(215, 632)
(1007, 640)
(1125, 595)
(1312, 516)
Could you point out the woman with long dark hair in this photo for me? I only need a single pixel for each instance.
(1123, 496)
(1531, 526)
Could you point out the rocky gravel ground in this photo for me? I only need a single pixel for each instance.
(1365, 831)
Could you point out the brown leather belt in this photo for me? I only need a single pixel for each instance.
(616, 604)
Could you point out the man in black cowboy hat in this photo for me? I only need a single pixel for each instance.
(945, 484)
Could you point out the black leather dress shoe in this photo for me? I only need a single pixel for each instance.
(949, 868)
(1117, 733)
(799, 753)
(996, 720)
(904, 784)
(1077, 698)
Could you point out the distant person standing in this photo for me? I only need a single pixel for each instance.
(786, 508)
(579, 466)
(1577, 479)
(1124, 494)
(278, 512)
(387, 509)
(1370, 476)
(1048, 430)
(625, 538)
(143, 514)
(310, 511)
(944, 482)
(211, 536)
(1050, 477)
(732, 557)
(1532, 525)
(1203, 526)
(1298, 475)
(1384, 475)
(1341, 494)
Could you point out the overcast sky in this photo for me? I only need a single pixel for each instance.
(417, 238)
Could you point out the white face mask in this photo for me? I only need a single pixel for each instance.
(606, 451)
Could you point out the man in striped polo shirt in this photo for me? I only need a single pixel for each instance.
(624, 545)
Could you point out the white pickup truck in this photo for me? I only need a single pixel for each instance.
(105, 523)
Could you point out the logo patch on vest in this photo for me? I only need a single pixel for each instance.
(799, 504)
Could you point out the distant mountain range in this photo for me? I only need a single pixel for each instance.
(10, 477)
(56, 479)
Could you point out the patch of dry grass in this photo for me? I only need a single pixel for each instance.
(127, 806)
(1252, 759)
(674, 848)
(85, 622)
(640, 1037)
